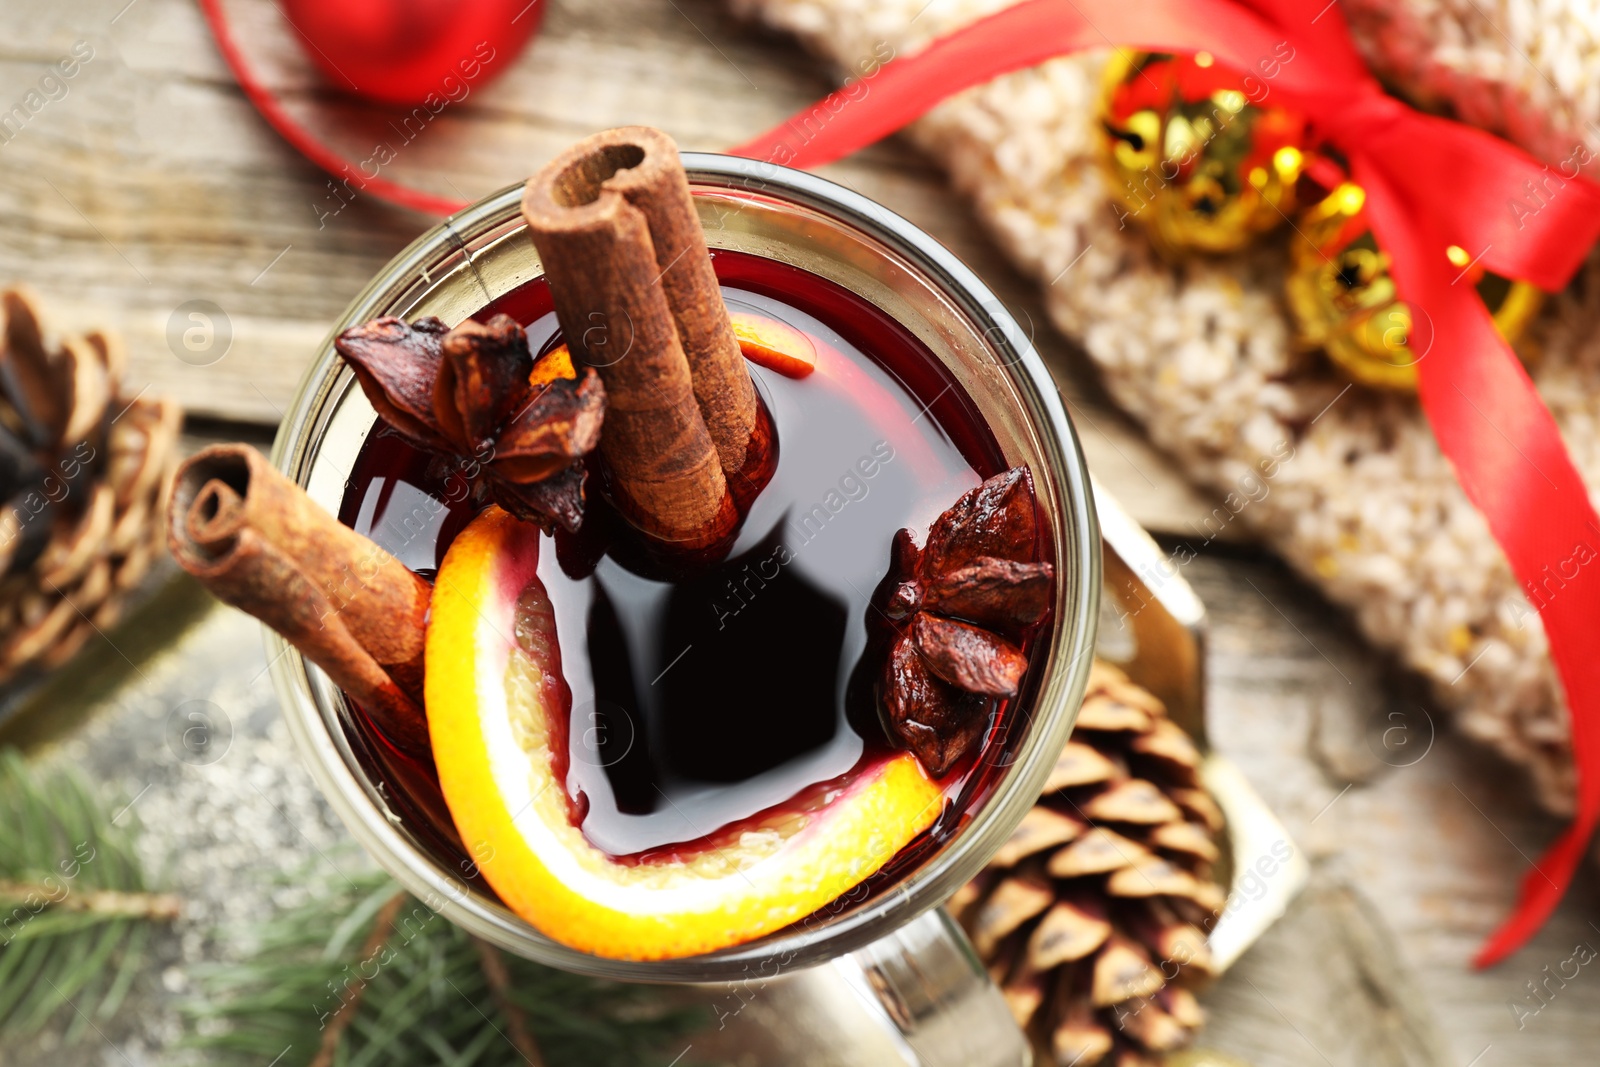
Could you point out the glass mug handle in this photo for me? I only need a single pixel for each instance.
(917, 997)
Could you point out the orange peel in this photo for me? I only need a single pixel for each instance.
(772, 343)
(553, 365)
(492, 722)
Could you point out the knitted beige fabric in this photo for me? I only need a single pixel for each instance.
(1347, 485)
(1526, 69)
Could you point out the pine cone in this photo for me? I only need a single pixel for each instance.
(1092, 917)
(84, 473)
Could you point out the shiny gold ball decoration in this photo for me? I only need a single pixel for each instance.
(1343, 298)
(1191, 157)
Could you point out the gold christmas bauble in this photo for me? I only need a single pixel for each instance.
(1343, 299)
(1194, 156)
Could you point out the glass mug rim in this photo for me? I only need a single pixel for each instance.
(311, 703)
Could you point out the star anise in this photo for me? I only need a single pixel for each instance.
(474, 393)
(960, 608)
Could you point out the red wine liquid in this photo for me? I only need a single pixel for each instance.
(706, 700)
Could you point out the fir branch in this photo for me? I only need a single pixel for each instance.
(75, 912)
(157, 907)
(423, 993)
(499, 979)
(382, 928)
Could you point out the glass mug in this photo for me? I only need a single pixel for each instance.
(910, 967)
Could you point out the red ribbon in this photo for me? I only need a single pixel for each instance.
(1430, 183)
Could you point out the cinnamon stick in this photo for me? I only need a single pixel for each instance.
(659, 188)
(603, 273)
(258, 542)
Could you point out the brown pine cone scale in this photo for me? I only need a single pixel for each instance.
(84, 471)
(1092, 918)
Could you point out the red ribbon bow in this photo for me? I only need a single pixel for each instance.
(1430, 183)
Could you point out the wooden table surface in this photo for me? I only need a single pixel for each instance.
(151, 183)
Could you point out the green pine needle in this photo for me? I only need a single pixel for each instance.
(75, 911)
(424, 996)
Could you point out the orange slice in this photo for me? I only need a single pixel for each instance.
(490, 717)
(773, 343)
(764, 340)
(556, 363)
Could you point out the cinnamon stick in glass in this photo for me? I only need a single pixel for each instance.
(258, 542)
(607, 278)
(658, 186)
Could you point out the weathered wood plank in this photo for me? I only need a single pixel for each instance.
(1423, 852)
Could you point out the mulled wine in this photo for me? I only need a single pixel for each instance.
(706, 702)
(682, 596)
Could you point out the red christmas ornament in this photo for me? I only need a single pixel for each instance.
(406, 52)
(401, 51)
